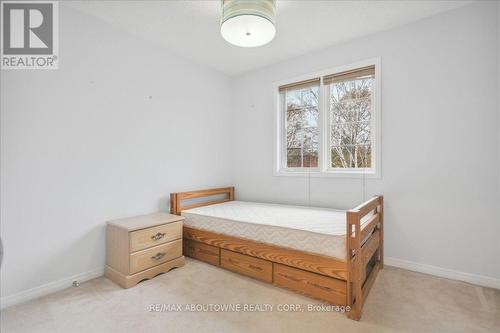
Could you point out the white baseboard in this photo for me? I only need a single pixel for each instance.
(480, 280)
(52, 287)
(48, 288)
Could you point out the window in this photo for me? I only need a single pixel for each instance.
(327, 123)
(301, 108)
(349, 105)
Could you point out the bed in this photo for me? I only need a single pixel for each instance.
(327, 254)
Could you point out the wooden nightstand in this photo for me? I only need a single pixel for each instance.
(142, 247)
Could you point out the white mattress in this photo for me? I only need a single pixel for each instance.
(315, 230)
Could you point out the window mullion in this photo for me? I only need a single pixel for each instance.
(320, 127)
(283, 132)
(325, 155)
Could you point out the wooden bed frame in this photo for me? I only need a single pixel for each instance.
(336, 281)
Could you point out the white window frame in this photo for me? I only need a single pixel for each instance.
(324, 153)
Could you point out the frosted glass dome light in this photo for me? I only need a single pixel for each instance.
(248, 23)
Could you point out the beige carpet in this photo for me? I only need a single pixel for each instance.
(401, 301)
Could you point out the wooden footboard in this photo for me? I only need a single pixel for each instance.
(365, 244)
(341, 282)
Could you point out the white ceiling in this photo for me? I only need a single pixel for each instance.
(191, 28)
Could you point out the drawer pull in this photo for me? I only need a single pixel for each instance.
(207, 252)
(325, 288)
(237, 263)
(257, 268)
(286, 276)
(158, 236)
(158, 256)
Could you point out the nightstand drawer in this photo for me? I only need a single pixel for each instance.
(154, 256)
(142, 239)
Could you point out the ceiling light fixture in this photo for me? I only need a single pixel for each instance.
(248, 23)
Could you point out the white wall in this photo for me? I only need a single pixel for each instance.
(498, 105)
(439, 140)
(85, 144)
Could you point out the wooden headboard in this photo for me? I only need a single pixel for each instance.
(176, 198)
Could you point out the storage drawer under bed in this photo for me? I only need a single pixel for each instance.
(328, 289)
(254, 267)
(203, 252)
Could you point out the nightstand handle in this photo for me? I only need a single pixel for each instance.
(158, 236)
(158, 256)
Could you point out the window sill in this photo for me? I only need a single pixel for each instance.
(328, 174)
